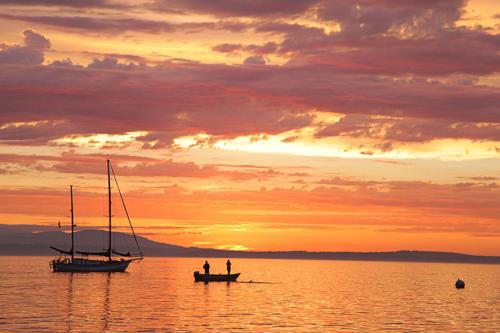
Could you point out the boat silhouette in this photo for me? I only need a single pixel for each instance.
(198, 277)
(69, 263)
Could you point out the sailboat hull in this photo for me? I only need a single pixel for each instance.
(215, 277)
(87, 265)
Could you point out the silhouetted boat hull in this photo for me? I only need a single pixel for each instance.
(215, 277)
(87, 265)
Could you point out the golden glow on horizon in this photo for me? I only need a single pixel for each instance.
(100, 140)
(307, 145)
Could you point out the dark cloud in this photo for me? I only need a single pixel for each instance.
(384, 147)
(65, 3)
(481, 178)
(355, 125)
(391, 38)
(227, 47)
(172, 98)
(185, 99)
(112, 63)
(113, 25)
(385, 37)
(241, 8)
(365, 17)
(449, 51)
(31, 53)
(266, 48)
(35, 40)
(96, 24)
(460, 51)
(255, 60)
(409, 129)
(135, 166)
(376, 74)
(423, 130)
(37, 133)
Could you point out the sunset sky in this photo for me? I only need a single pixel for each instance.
(321, 125)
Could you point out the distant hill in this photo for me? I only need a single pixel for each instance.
(30, 243)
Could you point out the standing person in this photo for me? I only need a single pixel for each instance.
(228, 265)
(206, 267)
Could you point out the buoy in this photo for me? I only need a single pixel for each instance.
(460, 284)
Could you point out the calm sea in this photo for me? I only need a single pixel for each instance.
(159, 295)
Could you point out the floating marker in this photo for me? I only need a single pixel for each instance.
(460, 284)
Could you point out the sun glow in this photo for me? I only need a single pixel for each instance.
(304, 144)
(101, 140)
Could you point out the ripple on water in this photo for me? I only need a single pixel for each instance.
(304, 296)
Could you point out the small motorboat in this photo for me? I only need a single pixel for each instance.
(215, 277)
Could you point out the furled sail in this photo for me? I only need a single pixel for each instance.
(85, 253)
(126, 254)
(103, 253)
(61, 251)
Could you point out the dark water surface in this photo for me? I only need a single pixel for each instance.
(159, 295)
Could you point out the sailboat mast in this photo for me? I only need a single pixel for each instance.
(72, 225)
(109, 211)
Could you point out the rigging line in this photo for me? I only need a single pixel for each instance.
(126, 211)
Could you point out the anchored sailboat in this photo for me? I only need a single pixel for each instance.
(84, 264)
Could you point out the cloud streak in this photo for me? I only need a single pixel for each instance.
(186, 99)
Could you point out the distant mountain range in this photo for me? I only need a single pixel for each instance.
(31, 243)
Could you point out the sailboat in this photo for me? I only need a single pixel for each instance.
(70, 263)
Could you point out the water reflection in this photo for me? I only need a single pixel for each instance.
(69, 318)
(77, 300)
(305, 296)
(106, 312)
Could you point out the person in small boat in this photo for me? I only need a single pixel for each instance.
(228, 265)
(206, 267)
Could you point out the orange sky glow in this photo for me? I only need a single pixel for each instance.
(256, 125)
